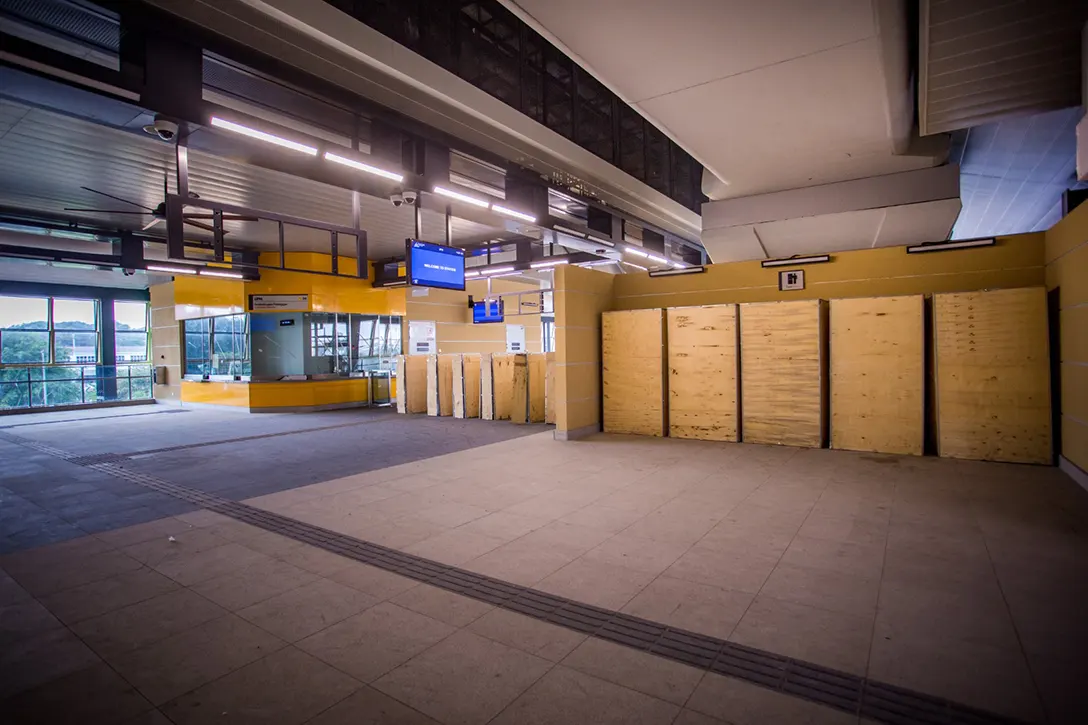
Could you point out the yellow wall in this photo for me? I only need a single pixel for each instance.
(453, 318)
(165, 341)
(215, 393)
(581, 295)
(1067, 270)
(1015, 261)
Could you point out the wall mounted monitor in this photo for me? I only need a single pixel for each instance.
(487, 311)
(435, 265)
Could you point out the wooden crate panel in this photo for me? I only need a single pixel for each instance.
(402, 376)
(519, 406)
(458, 386)
(432, 385)
(993, 375)
(633, 372)
(415, 383)
(445, 384)
(471, 369)
(502, 374)
(538, 366)
(487, 386)
(877, 374)
(782, 381)
(702, 357)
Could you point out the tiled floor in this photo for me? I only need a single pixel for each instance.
(961, 580)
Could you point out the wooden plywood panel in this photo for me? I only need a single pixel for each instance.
(415, 383)
(445, 384)
(993, 375)
(502, 380)
(702, 356)
(458, 367)
(519, 397)
(549, 388)
(487, 386)
(538, 366)
(432, 385)
(402, 375)
(782, 381)
(471, 367)
(633, 372)
(877, 374)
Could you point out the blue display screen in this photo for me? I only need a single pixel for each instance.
(433, 265)
(487, 311)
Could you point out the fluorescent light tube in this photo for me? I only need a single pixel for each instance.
(216, 273)
(553, 263)
(571, 232)
(262, 136)
(636, 266)
(171, 270)
(655, 258)
(636, 252)
(789, 262)
(364, 167)
(945, 246)
(679, 265)
(504, 274)
(496, 270)
(472, 274)
(512, 213)
(461, 197)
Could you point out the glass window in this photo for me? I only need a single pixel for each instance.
(230, 345)
(130, 325)
(75, 331)
(24, 330)
(198, 350)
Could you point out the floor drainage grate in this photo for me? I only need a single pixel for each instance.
(842, 691)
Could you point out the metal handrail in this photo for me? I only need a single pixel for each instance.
(83, 380)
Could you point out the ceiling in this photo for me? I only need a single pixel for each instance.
(46, 157)
(1013, 173)
(769, 95)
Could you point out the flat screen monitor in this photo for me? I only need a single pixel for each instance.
(434, 265)
(487, 311)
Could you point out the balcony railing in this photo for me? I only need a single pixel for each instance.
(52, 386)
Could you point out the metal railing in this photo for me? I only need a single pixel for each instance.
(53, 386)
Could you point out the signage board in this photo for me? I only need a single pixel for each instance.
(279, 303)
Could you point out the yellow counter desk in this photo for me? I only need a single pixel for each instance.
(281, 396)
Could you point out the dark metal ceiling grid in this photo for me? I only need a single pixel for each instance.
(45, 158)
(1013, 173)
(72, 19)
(980, 61)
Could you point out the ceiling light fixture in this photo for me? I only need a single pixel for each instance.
(552, 263)
(594, 238)
(946, 246)
(512, 213)
(496, 270)
(216, 273)
(171, 270)
(655, 258)
(636, 266)
(472, 274)
(674, 272)
(330, 156)
(505, 274)
(636, 252)
(679, 265)
(262, 136)
(461, 197)
(572, 232)
(790, 261)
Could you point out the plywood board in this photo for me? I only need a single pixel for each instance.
(458, 367)
(633, 372)
(782, 378)
(877, 374)
(538, 366)
(432, 385)
(702, 357)
(402, 375)
(445, 384)
(549, 388)
(993, 375)
(519, 405)
(487, 386)
(471, 367)
(502, 379)
(415, 383)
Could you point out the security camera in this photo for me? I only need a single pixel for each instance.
(409, 196)
(128, 272)
(397, 198)
(164, 128)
